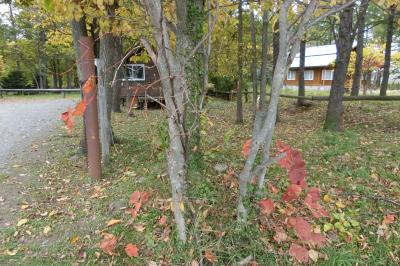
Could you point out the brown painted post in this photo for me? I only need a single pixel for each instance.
(91, 114)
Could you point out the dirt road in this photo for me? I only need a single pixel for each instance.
(25, 127)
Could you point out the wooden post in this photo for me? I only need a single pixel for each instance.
(91, 119)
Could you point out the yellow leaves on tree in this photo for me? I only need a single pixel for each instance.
(70, 114)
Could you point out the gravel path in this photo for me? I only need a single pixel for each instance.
(23, 121)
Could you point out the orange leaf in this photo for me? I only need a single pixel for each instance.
(131, 250)
(210, 256)
(292, 193)
(80, 108)
(389, 219)
(266, 206)
(109, 244)
(163, 220)
(68, 119)
(113, 222)
(246, 147)
(90, 84)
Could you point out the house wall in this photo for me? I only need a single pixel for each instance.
(138, 88)
(316, 82)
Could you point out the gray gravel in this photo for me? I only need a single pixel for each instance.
(24, 121)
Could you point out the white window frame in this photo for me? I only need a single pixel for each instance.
(324, 71)
(309, 71)
(137, 65)
(289, 77)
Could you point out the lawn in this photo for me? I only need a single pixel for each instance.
(358, 171)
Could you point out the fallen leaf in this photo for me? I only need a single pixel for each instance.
(46, 230)
(113, 222)
(24, 206)
(109, 244)
(266, 206)
(210, 256)
(280, 235)
(163, 220)
(74, 239)
(194, 263)
(131, 250)
(313, 255)
(299, 253)
(246, 147)
(139, 227)
(12, 252)
(134, 197)
(389, 219)
(22, 222)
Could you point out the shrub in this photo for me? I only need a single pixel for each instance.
(223, 83)
(14, 80)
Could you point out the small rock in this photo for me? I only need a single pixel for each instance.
(220, 167)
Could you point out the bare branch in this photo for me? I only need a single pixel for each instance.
(332, 11)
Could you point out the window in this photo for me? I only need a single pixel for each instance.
(135, 72)
(327, 74)
(309, 75)
(291, 75)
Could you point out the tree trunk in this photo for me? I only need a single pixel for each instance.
(264, 60)
(254, 61)
(388, 49)
(239, 104)
(79, 31)
(206, 60)
(355, 88)
(59, 74)
(343, 45)
(103, 119)
(55, 76)
(116, 106)
(302, 88)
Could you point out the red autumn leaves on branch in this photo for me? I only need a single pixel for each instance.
(307, 238)
(80, 108)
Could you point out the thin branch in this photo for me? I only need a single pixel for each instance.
(122, 62)
(330, 13)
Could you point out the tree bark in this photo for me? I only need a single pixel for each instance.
(254, 61)
(264, 60)
(388, 49)
(103, 119)
(343, 45)
(116, 105)
(239, 104)
(355, 88)
(302, 88)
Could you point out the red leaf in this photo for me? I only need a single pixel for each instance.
(273, 189)
(134, 213)
(108, 244)
(266, 206)
(292, 193)
(301, 227)
(298, 252)
(246, 147)
(134, 197)
(311, 202)
(294, 163)
(163, 220)
(131, 250)
(315, 193)
(144, 197)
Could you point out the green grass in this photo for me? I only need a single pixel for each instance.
(361, 160)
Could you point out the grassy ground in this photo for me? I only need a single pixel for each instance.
(353, 167)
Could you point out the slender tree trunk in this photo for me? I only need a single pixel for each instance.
(302, 88)
(116, 106)
(206, 60)
(239, 104)
(355, 89)
(343, 45)
(59, 74)
(55, 77)
(388, 49)
(254, 61)
(104, 133)
(264, 60)
(79, 31)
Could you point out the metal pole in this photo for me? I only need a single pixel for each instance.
(91, 114)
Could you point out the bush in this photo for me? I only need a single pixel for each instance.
(223, 83)
(14, 80)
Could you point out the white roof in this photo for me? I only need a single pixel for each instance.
(317, 56)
